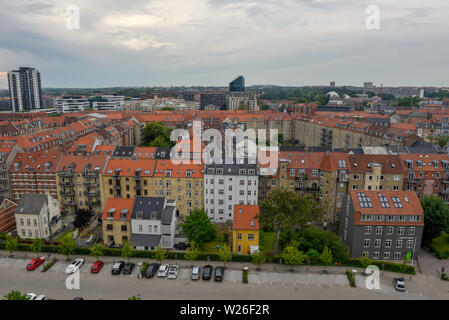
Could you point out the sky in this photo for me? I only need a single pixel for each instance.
(209, 42)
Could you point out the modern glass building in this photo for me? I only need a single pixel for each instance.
(237, 85)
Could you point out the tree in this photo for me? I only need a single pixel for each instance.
(258, 259)
(365, 261)
(192, 253)
(403, 267)
(292, 256)
(441, 140)
(15, 295)
(436, 213)
(134, 298)
(326, 257)
(284, 208)
(160, 142)
(11, 244)
(168, 108)
(198, 228)
(127, 250)
(159, 254)
(224, 253)
(96, 250)
(67, 247)
(154, 130)
(82, 218)
(37, 245)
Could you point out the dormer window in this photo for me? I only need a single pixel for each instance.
(139, 214)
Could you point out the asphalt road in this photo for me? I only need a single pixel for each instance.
(106, 286)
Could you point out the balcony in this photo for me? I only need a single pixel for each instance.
(93, 203)
(117, 177)
(445, 180)
(117, 186)
(137, 177)
(66, 184)
(69, 203)
(68, 192)
(138, 187)
(65, 174)
(92, 193)
(90, 174)
(343, 178)
(90, 184)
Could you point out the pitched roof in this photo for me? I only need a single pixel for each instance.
(31, 203)
(361, 163)
(244, 217)
(115, 206)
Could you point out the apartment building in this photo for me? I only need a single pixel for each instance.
(426, 174)
(38, 216)
(386, 225)
(8, 152)
(78, 182)
(116, 221)
(34, 173)
(153, 223)
(235, 99)
(226, 185)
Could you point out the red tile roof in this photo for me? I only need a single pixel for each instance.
(118, 204)
(243, 215)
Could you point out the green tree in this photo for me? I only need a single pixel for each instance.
(258, 259)
(15, 295)
(67, 246)
(403, 267)
(198, 228)
(37, 245)
(134, 298)
(156, 133)
(192, 253)
(159, 254)
(127, 250)
(441, 140)
(224, 254)
(284, 208)
(160, 142)
(326, 257)
(365, 261)
(168, 108)
(11, 244)
(436, 213)
(292, 256)
(96, 250)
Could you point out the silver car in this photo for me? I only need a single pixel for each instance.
(163, 269)
(399, 284)
(196, 271)
(173, 272)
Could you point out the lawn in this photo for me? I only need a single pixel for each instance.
(268, 241)
(209, 246)
(67, 234)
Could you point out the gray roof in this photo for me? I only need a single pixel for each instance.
(148, 205)
(167, 215)
(123, 152)
(232, 169)
(146, 240)
(31, 203)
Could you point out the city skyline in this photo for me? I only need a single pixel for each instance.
(287, 43)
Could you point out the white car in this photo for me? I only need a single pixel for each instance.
(163, 270)
(31, 296)
(173, 272)
(74, 266)
(41, 297)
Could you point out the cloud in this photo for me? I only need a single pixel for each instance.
(207, 42)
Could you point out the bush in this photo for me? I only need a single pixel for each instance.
(2, 236)
(351, 278)
(144, 268)
(244, 275)
(444, 277)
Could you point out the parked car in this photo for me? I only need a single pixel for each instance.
(33, 264)
(196, 271)
(118, 267)
(163, 269)
(74, 266)
(173, 272)
(207, 272)
(151, 270)
(78, 298)
(31, 296)
(96, 267)
(129, 267)
(41, 297)
(399, 284)
(180, 246)
(219, 274)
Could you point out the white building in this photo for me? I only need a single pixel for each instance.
(71, 104)
(235, 99)
(109, 103)
(38, 216)
(153, 223)
(226, 185)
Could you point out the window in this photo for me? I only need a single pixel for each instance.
(397, 255)
(388, 243)
(376, 255)
(398, 243)
(390, 231)
(379, 230)
(250, 237)
(377, 243)
(366, 243)
(239, 236)
(409, 244)
(368, 230)
(401, 231)
(411, 231)
(386, 255)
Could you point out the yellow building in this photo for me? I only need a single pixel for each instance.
(245, 230)
(116, 221)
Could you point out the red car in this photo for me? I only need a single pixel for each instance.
(96, 267)
(35, 263)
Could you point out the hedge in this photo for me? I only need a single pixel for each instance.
(351, 278)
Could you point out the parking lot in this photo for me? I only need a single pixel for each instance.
(262, 285)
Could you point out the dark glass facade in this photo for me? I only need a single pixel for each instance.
(237, 85)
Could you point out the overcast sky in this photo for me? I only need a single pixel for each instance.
(209, 42)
